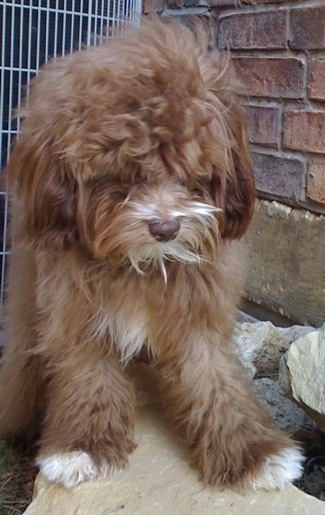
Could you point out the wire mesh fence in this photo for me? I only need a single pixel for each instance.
(32, 32)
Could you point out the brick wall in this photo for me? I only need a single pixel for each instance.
(278, 47)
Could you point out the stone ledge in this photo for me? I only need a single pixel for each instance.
(286, 262)
(159, 480)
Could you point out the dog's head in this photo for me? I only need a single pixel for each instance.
(135, 151)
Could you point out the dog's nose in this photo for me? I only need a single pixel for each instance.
(164, 231)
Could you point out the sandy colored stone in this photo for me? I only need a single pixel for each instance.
(306, 360)
(159, 480)
(302, 374)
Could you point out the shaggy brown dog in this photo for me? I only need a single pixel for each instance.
(132, 185)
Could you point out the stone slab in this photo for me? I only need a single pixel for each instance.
(160, 481)
(286, 256)
(304, 360)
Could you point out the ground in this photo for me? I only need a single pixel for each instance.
(17, 474)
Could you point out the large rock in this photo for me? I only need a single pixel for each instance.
(283, 411)
(302, 374)
(262, 344)
(262, 347)
(159, 480)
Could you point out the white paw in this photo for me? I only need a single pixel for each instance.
(279, 469)
(71, 468)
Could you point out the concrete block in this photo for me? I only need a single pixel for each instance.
(286, 256)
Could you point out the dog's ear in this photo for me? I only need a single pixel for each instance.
(239, 192)
(234, 189)
(40, 180)
(232, 185)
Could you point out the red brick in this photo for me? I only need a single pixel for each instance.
(175, 4)
(253, 30)
(221, 3)
(272, 77)
(316, 83)
(188, 20)
(316, 183)
(258, 2)
(196, 3)
(305, 131)
(308, 28)
(279, 176)
(153, 6)
(263, 125)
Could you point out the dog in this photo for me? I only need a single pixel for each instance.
(132, 186)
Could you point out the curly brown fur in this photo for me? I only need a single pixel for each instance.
(132, 185)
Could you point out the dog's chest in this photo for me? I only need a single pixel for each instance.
(127, 330)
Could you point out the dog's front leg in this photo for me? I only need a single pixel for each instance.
(88, 425)
(231, 438)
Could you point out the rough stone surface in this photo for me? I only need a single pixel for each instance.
(283, 411)
(302, 374)
(262, 344)
(173, 491)
(159, 480)
(286, 270)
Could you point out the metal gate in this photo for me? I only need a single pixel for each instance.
(33, 31)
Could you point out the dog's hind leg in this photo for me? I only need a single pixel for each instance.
(19, 378)
(231, 438)
(88, 424)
